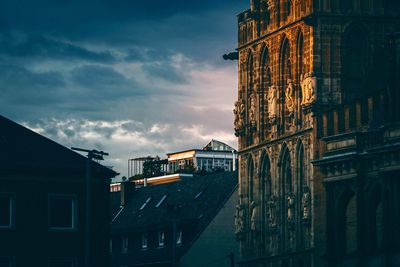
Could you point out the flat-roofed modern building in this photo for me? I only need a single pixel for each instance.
(216, 155)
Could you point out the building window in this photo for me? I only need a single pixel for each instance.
(179, 238)
(6, 262)
(145, 203)
(161, 238)
(62, 212)
(161, 201)
(144, 241)
(61, 262)
(6, 210)
(125, 244)
(111, 246)
(198, 194)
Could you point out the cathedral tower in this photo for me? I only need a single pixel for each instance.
(318, 85)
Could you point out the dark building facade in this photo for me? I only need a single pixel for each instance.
(182, 223)
(317, 119)
(43, 203)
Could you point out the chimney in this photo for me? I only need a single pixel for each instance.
(127, 190)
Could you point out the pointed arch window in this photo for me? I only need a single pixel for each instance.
(286, 79)
(266, 83)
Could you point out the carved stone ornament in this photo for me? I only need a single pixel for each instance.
(308, 86)
(238, 111)
(254, 216)
(306, 205)
(290, 207)
(272, 98)
(289, 96)
(239, 222)
(271, 5)
(271, 205)
(252, 111)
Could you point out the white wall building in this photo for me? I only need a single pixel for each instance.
(215, 155)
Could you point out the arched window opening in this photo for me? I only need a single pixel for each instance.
(287, 200)
(304, 196)
(354, 65)
(286, 64)
(376, 219)
(250, 75)
(286, 9)
(346, 231)
(266, 196)
(249, 92)
(250, 177)
(300, 74)
(287, 100)
(287, 173)
(351, 226)
(266, 83)
(266, 177)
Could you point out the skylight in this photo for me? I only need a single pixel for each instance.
(198, 194)
(145, 203)
(161, 201)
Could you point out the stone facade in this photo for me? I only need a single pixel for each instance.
(309, 73)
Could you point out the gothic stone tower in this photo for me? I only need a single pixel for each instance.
(318, 107)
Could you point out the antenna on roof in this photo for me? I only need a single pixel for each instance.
(98, 155)
(92, 154)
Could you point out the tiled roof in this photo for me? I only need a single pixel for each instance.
(199, 200)
(23, 150)
(211, 191)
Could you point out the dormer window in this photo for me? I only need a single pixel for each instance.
(124, 244)
(198, 194)
(145, 203)
(161, 238)
(161, 201)
(144, 241)
(179, 238)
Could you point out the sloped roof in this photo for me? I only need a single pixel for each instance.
(211, 191)
(215, 145)
(199, 200)
(24, 151)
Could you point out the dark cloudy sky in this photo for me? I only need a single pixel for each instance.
(131, 77)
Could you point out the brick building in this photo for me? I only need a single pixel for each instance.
(317, 119)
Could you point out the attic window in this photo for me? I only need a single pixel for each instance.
(161, 201)
(161, 238)
(198, 194)
(145, 203)
(179, 238)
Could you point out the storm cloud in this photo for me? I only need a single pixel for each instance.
(133, 78)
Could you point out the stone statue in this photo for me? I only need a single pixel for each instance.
(271, 98)
(306, 204)
(252, 110)
(254, 216)
(308, 86)
(290, 207)
(289, 96)
(239, 114)
(239, 225)
(271, 5)
(272, 211)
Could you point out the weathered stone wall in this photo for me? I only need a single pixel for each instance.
(292, 93)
